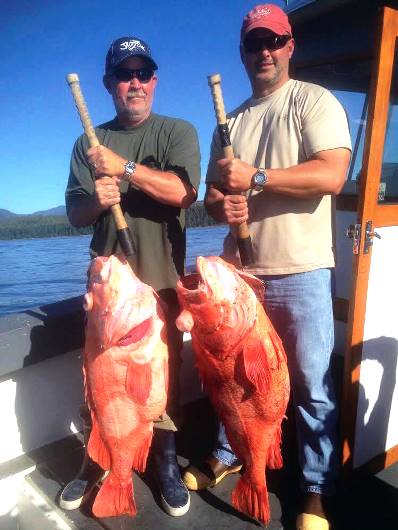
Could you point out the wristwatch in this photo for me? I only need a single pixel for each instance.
(129, 170)
(259, 179)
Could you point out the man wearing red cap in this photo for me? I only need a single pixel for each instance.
(292, 151)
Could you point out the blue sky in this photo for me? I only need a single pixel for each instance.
(44, 40)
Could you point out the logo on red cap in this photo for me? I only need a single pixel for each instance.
(261, 12)
(267, 16)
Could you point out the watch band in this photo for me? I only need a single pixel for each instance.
(129, 170)
(259, 179)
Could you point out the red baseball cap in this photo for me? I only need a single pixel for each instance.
(267, 16)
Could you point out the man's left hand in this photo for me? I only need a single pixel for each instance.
(235, 174)
(105, 162)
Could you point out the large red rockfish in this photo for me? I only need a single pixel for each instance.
(243, 368)
(125, 367)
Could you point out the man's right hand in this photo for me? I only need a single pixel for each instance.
(235, 209)
(107, 192)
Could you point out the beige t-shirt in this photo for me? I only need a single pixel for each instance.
(289, 235)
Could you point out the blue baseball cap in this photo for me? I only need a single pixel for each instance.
(125, 47)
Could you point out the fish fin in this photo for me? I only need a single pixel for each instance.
(96, 447)
(139, 381)
(141, 452)
(280, 353)
(251, 499)
(114, 498)
(256, 364)
(274, 455)
(256, 284)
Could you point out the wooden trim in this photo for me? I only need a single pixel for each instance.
(385, 215)
(367, 201)
(379, 462)
(340, 309)
(347, 203)
(352, 365)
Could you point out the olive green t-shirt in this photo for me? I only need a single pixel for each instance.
(158, 230)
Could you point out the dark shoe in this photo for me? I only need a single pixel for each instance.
(173, 492)
(74, 492)
(207, 474)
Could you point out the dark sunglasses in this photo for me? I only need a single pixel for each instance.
(270, 42)
(125, 74)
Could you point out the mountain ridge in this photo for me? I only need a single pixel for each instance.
(57, 210)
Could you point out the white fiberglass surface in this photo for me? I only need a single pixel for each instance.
(377, 426)
(23, 508)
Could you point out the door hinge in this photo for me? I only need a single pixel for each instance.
(354, 232)
(369, 235)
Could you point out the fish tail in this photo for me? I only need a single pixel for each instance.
(274, 455)
(115, 498)
(252, 499)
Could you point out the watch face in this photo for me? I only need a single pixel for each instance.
(130, 167)
(260, 178)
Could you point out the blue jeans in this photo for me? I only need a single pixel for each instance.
(300, 308)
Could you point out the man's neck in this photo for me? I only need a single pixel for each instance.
(261, 90)
(131, 122)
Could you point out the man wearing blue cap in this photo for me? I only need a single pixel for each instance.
(150, 164)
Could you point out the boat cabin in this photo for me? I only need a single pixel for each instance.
(351, 48)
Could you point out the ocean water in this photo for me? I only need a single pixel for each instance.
(35, 272)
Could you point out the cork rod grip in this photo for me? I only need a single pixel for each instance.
(121, 225)
(243, 234)
(221, 118)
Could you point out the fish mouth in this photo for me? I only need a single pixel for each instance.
(191, 288)
(101, 268)
(217, 278)
(194, 286)
(214, 279)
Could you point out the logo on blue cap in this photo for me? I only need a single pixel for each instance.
(125, 47)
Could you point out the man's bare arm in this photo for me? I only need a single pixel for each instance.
(324, 174)
(163, 186)
(86, 208)
(84, 211)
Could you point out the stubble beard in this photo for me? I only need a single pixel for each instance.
(130, 115)
(262, 81)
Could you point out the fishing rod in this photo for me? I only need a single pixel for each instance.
(243, 235)
(122, 230)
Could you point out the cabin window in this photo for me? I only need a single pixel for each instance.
(388, 189)
(356, 107)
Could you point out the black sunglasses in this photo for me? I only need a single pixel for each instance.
(270, 42)
(125, 74)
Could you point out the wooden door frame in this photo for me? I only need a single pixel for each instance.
(368, 209)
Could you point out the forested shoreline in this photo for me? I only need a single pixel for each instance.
(32, 226)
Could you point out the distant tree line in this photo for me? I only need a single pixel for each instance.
(197, 216)
(30, 226)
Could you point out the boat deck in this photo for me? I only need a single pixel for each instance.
(368, 503)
